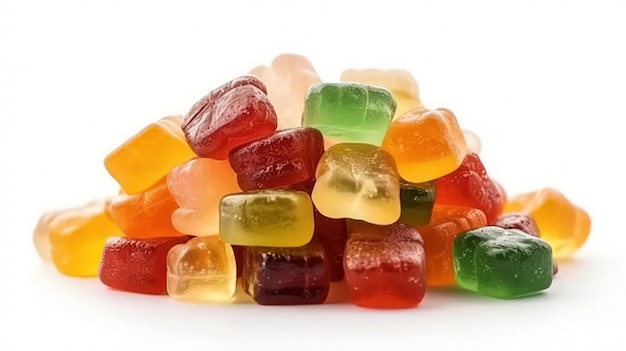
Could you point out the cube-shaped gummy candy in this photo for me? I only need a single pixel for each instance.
(149, 155)
(502, 263)
(416, 201)
(349, 112)
(272, 218)
(202, 270)
(286, 276)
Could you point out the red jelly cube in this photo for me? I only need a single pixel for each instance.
(137, 265)
(385, 266)
(332, 234)
(284, 158)
(232, 115)
(470, 186)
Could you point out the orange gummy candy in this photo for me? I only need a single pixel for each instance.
(563, 225)
(426, 144)
(445, 224)
(147, 214)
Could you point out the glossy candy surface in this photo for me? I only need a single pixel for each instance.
(416, 201)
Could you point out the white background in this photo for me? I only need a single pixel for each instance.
(542, 83)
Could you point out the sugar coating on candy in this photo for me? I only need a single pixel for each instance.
(197, 187)
(426, 144)
(232, 115)
(385, 266)
(137, 265)
(563, 225)
(399, 82)
(147, 214)
(349, 112)
(77, 238)
(149, 155)
(271, 218)
(201, 270)
(284, 158)
(286, 276)
(358, 181)
(287, 80)
(502, 263)
(446, 223)
(469, 185)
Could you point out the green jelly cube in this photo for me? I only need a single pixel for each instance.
(501, 263)
(349, 112)
(416, 201)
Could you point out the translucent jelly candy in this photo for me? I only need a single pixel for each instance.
(400, 82)
(202, 270)
(332, 234)
(502, 263)
(147, 214)
(287, 81)
(41, 235)
(272, 218)
(564, 226)
(198, 186)
(149, 155)
(137, 265)
(416, 201)
(426, 144)
(284, 158)
(349, 112)
(385, 266)
(286, 276)
(77, 237)
(358, 181)
(473, 141)
(447, 222)
(234, 114)
(470, 186)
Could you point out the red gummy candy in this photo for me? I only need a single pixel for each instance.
(137, 265)
(470, 186)
(385, 266)
(284, 158)
(332, 235)
(232, 115)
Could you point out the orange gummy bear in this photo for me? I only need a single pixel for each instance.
(563, 225)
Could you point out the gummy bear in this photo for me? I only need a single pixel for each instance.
(271, 218)
(287, 81)
(385, 266)
(358, 181)
(137, 265)
(198, 186)
(201, 270)
(284, 158)
(401, 83)
(77, 238)
(563, 225)
(349, 112)
(149, 155)
(232, 115)
(426, 144)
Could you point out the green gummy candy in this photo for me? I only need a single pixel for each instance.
(416, 201)
(349, 112)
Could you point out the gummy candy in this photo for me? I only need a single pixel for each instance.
(358, 181)
(149, 155)
(400, 83)
(426, 144)
(286, 276)
(349, 112)
(137, 265)
(385, 266)
(284, 158)
(198, 186)
(416, 201)
(41, 235)
(77, 238)
(232, 115)
(564, 226)
(501, 263)
(473, 142)
(272, 218)
(201, 270)
(332, 234)
(287, 81)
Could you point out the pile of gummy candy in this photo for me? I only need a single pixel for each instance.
(289, 184)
